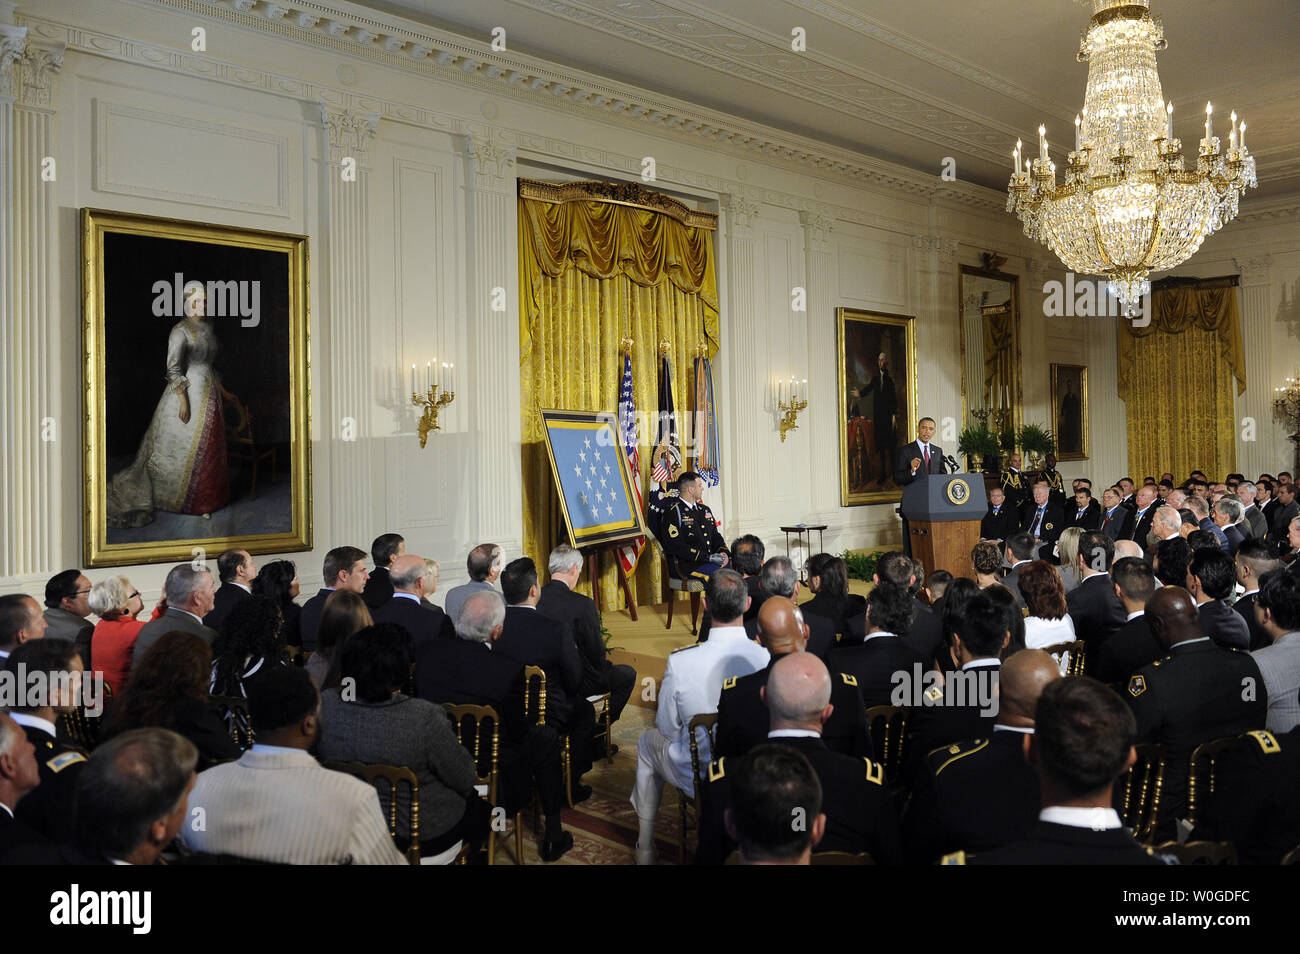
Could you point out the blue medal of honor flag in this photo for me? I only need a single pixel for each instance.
(587, 462)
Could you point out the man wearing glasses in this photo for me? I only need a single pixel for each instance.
(67, 605)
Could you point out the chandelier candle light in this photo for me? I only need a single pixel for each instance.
(1128, 206)
(787, 399)
(437, 377)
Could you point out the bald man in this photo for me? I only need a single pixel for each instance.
(424, 621)
(1197, 693)
(980, 794)
(859, 809)
(1127, 548)
(742, 716)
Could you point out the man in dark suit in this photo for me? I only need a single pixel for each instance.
(884, 413)
(742, 714)
(19, 775)
(1001, 520)
(1086, 512)
(1144, 511)
(1114, 517)
(1288, 508)
(532, 639)
(1254, 559)
(1094, 608)
(424, 621)
(468, 670)
(578, 614)
(237, 572)
(747, 560)
(344, 569)
(1125, 485)
(980, 794)
(379, 588)
(919, 457)
(1043, 520)
(1193, 695)
(1252, 516)
(1131, 646)
(21, 620)
(190, 595)
(1082, 742)
(1020, 550)
(859, 810)
(873, 662)
(1227, 516)
(1210, 578)
(1266, 502)
(779, 578)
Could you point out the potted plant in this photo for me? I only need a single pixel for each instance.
(980, 445)
(1036, 441)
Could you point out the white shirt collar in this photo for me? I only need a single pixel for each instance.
(1135, 615)
(264, 749)
(34, 722)
(406, 596)
(521, 606)
(4, 654)
(1014, 728)
(982, 663)
(794, 734)
(880, 633)
(1098, 819)
(246, 589)
(9, 811)
(1248, 593)
(731, 632)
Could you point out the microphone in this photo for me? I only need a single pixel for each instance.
(951, 462)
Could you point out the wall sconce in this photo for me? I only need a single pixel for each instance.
(787, 399)
(437, 378)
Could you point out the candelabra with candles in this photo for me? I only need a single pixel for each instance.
(1286, 409)
(440, 391)
(787, 399)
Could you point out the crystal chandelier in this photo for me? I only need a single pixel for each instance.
(1128, 205)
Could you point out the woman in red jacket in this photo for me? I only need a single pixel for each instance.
(117, 603)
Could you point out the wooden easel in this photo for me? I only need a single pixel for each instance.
(593, 574)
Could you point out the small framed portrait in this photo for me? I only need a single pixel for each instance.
(1070, 411)
(196, 432)
(876, 364)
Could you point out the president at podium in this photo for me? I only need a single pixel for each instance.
(918, 458)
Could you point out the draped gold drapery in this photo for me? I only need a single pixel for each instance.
(598, 263)
(1177, 377)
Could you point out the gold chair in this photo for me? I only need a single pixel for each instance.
(887, 740)
(394, 775)
(537, 674)
(1075, 653)
(1200, 773)
(234, 710)
(842, 858)
(708, 721)
(1142, 787)
(605, 721)
(1200, 852)
(490, 747)
(240, 442)
(677, 584)
(81, 729)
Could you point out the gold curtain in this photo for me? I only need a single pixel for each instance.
(598, 263)
(1177, 377)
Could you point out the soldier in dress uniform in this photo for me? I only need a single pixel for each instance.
(691, 533)
(1015, 483)
(859, 809)
(1253, 804)
(1055, 485)
(1197, 693)
(48, 808)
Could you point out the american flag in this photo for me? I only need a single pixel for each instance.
(630, 551)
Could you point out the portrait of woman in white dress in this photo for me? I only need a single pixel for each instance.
(181, 466)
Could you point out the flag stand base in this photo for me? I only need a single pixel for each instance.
(593, 574)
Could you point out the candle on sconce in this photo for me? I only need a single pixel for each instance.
(1077, 133)
(804, 385)
(1015, 162)
(1019, 146)
(413, 379)
(428, 375)
(1232, 135)
(1241, 140)
(1209, 110)
(1042, 143)
(451, 377)
(1169, 124)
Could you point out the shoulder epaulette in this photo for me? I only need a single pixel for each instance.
(1267, 742)
(955, 752)
(729, 683)
(63, 760)
(875, 772)
(682, 649)
(716, 769)
(956, 858)
(849, 680)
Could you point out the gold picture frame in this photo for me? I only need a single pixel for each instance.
(574, 441)
(1070, 381)
(869, 443)
(196, 426)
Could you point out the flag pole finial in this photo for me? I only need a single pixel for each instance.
(626, 344)
(664, 347)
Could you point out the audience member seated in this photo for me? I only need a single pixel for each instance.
(1277, 610)
(386, 548)
(936, 584)
(344, 569)
(468, 670)
(1254, 524)
(925, 633)
(249, 643)
(563, 603)
(432, 571)
(980, 794)
(1067, 558)
(1227, 514)
(1013, 615)
(278, 581)
(237, 572)
(828, 579)
(344, 615)
(169, 689)
(377, 724)
(860, 815)
(770, 786)
(1287, 509)
(747, 554)
(1144, 502)
(406, 607)
(875, 661)
(48, 809)
(484, 564)
(986, 561)
(1114, 516)
(1020, 550)
(1082, 742)
(1201, 509)
(1048, 622)
(1131, 646)
(1291, 549)
(21, 620)
(117, 604)
(1171, 560)
(1194, 695)
(189, 595)
(19, 776)
(1166, 525)
(1211, 577)
(1093, 606)
(1043, 520)
(742, 714)
(779, 578)
(531, 639)
(960, 592)
(691, 686)
(67, 606)
(277, 804)
(1001, 520)
(1086, 512)
(1253, 560)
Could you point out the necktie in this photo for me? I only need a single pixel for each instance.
(1037, 520)
(1107, 520)
(925, 453)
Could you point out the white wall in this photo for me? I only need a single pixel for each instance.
(403, 262)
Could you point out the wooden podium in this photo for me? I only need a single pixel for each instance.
(943, 514)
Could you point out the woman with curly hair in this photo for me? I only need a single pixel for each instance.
(278, 580)
(169, 689)
(250, 639)
(986, 559)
